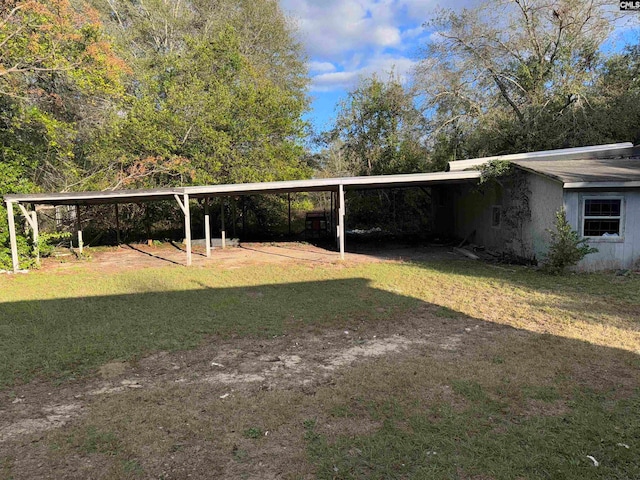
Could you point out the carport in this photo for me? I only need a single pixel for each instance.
(183, 195)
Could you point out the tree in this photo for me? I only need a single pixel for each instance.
(512, 75)
(379, 130)
(55, 64)
(219, 91)
(58, 74)
(566, 248)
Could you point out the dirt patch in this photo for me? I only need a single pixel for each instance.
(50, 416)
(131, 257)
(241, 407)
(112, 369)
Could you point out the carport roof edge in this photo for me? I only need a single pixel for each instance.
(320, 184)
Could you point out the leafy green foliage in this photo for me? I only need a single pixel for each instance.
(379, 130)
(491, 89)
(495, 169)
(49, 241)
(217, 97)
(566, 248)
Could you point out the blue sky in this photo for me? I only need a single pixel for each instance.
(346, 39)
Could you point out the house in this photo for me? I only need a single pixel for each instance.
(598, 187)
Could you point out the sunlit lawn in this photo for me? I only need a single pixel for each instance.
(64, 325)
(531, 403)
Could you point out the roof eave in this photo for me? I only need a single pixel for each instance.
(602, 185)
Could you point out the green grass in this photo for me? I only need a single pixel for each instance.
(62, 326)
(530, 417)
(485, 441)
(529, 402)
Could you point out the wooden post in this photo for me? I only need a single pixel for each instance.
(12, 237)
(207, 227)
(289, 199)
(222, 232)
(118, 239)
(341, 212)
(79, 229)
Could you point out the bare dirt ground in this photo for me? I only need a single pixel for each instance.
(226, 372)
(136, 256)
(231, 373)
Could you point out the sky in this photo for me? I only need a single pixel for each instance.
(346, 39)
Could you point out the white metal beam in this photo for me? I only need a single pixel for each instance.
(12, 237)
(207, 227)
(341, 212)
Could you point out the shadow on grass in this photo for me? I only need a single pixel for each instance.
(496, 403)
(153, 255)
(67, 337)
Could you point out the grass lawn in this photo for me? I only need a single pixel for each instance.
(512, 373)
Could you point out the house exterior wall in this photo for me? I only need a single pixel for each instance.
(613, 252)
(466, 210)
(546, 199)
(518, 234)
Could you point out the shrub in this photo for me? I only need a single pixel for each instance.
(566, 248)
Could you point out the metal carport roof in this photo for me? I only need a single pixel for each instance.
(183, 194)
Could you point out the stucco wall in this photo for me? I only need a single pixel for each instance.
(469, 209)
(545, 200)
(613, 252)
(473, 212)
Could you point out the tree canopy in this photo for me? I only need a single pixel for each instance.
(378, 130)
(521, 75)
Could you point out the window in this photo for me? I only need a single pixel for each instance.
(496, 216)
(602, 217)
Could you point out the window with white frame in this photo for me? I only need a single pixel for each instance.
(602, 217)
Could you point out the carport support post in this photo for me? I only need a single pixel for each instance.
(184, 206)
(118, 240)
(222, 232)
(79, 228)
(341, 211)
(12, 237)
(207, 227)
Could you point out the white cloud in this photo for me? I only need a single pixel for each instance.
(347, 39)
(321, 67)
(381, 65)
(329, 28)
